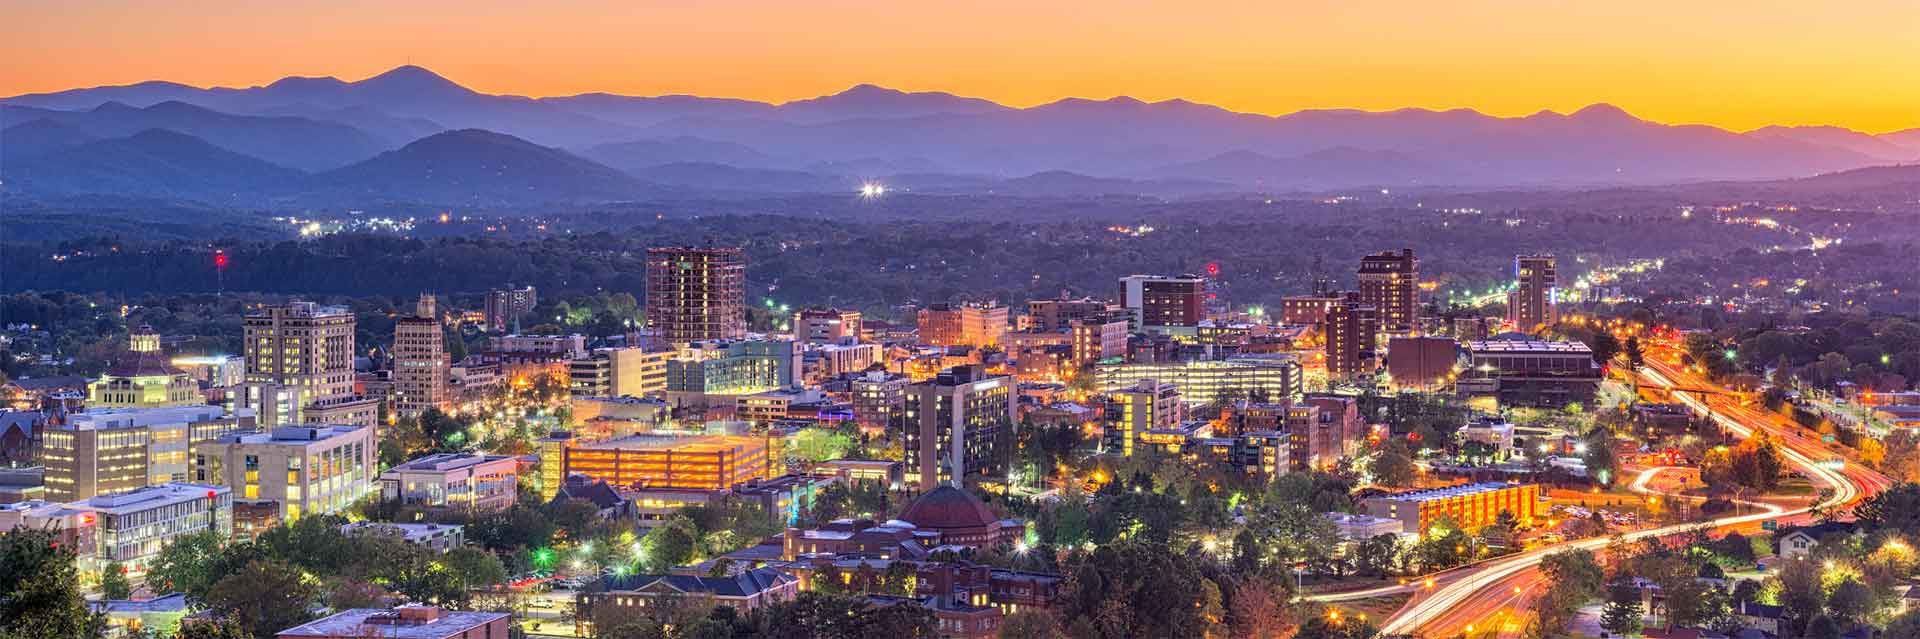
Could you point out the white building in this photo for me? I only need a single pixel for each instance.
(134, 525)
(454, 480)
(438, 537)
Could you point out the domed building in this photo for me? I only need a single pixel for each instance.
(143, 378)
(960, 519)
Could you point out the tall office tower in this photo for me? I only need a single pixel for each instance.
(505, 306)
(302, 344)
(963, 324)
(1390, 282)
(1531, 304)
(420, 361)
(696, 294)
(1164, 304)
(1352, 327)
(951, 422)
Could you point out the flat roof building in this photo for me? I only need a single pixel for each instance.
(307, 470)
(411, 621)
(697, 294)
(1468, 506)
(461, 481)
(1268, 378)
(116, 450)
(644, 461)
(134, 525)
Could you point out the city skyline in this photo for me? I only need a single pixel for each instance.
(1707, 63)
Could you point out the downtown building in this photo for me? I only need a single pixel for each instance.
(963, 324)
(1390, 283)
(143, 378)
(628, 371)
(716, 372)
(420, 361)
(308, 348)
(1059, 315)
(952, 423)
(1531, 305)
(132, 527)
(1271, 378)
(826, 326)
(455, 481)
(504, 307)
(118, 450)
(696, 294)
(1131, 413)
(292, 471)
(1352, 328)
(1159, 304)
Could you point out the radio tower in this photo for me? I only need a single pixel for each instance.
(220, 271)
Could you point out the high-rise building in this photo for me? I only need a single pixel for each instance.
(963, 324)
(1321, 429)
(1352, 327)
(420, 361)
(1390, 283)
(303, 470)
(1165, 304)
(1531, 305)
(951, 423)
(116, 450)
(696, 293)
(826, 326)
(309, 346)
(505, 306)
(1133, 411)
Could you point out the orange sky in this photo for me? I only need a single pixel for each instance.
(1854, 63)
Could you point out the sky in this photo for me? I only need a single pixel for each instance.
(1739, 65)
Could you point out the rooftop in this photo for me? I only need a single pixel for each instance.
(406, 622)
(1450, 491)
(1527, 346)
(689, 444)
(449, 461)
(152, 496)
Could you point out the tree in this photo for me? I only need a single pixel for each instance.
(1329, 628)
(216, 628)
(264, 597)
(1604, 347)
(1393, 466)
(184, 564)
(473, 568)
(1802, 593)
(1600, 459)
(670, 544)
(40, 590)
(1850, 602)
(1031, 624)
(114, 583)
(1622, 614)
(1259, 609)
(1133, 589)
(1636, 356)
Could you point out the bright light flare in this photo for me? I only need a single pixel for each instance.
(871, 190)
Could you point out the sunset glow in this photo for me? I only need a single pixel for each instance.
(1724, 63)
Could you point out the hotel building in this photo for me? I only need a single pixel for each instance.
(420, 361)
(951, 422)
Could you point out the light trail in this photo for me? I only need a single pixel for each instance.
(1407, 620)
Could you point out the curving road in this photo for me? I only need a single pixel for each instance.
(1482, 593)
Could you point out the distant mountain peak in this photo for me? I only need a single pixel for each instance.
(410, 79)
(1602, 111)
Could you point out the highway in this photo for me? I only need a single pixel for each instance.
(1492, 594)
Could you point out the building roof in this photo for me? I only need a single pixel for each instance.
(443, 624)
(1528, 346)
(448, 461)
(1449, 492)
(746, 584)
(599, 493)
(948, 507)
(678, 444)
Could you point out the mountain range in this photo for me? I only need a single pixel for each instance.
(410, 135)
